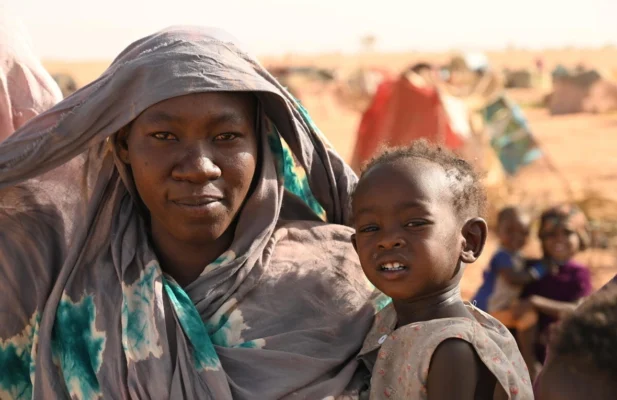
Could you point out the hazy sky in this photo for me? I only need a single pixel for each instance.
(85, 29)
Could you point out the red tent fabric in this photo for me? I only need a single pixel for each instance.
(400, 113)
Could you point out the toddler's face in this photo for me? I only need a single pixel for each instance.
(513, 232)
(408, 234)
(560, 244)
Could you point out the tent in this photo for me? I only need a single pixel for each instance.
(403, 110)
(586, 91)
(521, 78)
(509, 134)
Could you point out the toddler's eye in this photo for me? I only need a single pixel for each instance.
(368, 229)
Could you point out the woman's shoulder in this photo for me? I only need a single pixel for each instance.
(318, 248)
(319, 245)
(313, 232)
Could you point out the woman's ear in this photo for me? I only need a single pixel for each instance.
(474, 232)
(122, 146)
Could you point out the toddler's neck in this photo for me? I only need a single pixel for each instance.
(443, 304)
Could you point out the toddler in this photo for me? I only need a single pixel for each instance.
(417, 214)
(505, 278)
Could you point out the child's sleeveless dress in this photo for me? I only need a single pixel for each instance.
(400, 359)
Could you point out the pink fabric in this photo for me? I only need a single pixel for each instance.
(26, 89)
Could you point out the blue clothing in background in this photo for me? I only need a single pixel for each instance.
(501, 259)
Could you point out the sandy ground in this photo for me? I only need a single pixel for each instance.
(580, 147)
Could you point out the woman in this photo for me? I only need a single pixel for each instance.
(191, 246)
(26, 89)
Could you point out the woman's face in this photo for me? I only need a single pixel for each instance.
(560, 244)
(193, 159)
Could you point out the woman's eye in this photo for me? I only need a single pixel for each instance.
(164, 136)
(225, 137)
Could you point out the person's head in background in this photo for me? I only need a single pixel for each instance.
(583, 365)
(563, 232)
(513, 229)
(425, 71)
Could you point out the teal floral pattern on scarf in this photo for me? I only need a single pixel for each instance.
(17, 358)
(140, 337)
(226, 327)
(205, 356)
(78, 346)
(292, 173)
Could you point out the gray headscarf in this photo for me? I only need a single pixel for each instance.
(86, 311)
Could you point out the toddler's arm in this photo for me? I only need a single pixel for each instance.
(456, 372)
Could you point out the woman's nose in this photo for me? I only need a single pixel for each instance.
(197, 166)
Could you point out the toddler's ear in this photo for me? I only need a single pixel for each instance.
(474, 234)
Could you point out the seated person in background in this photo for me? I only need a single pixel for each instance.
(583, 364)
(563, 233)
(417, 215)
(505, 278)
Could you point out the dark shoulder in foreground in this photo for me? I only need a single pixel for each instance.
(456, 371)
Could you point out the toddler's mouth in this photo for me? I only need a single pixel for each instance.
(392, 267)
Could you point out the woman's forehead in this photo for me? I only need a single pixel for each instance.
(226, 106)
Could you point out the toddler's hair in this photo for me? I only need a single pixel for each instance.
(589, 336)
(508, 212)
(469, 194)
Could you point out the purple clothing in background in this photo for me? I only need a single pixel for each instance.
(571, 283)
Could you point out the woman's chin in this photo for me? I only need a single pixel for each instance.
(202, 234)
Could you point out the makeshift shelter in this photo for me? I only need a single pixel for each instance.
(519, 79)
(295, 77)
(602, 97)
(403, 110)
(358, 87)
(510, 135)
(587, 91)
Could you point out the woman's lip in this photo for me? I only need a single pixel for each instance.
(199, 209)
(196, 201)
